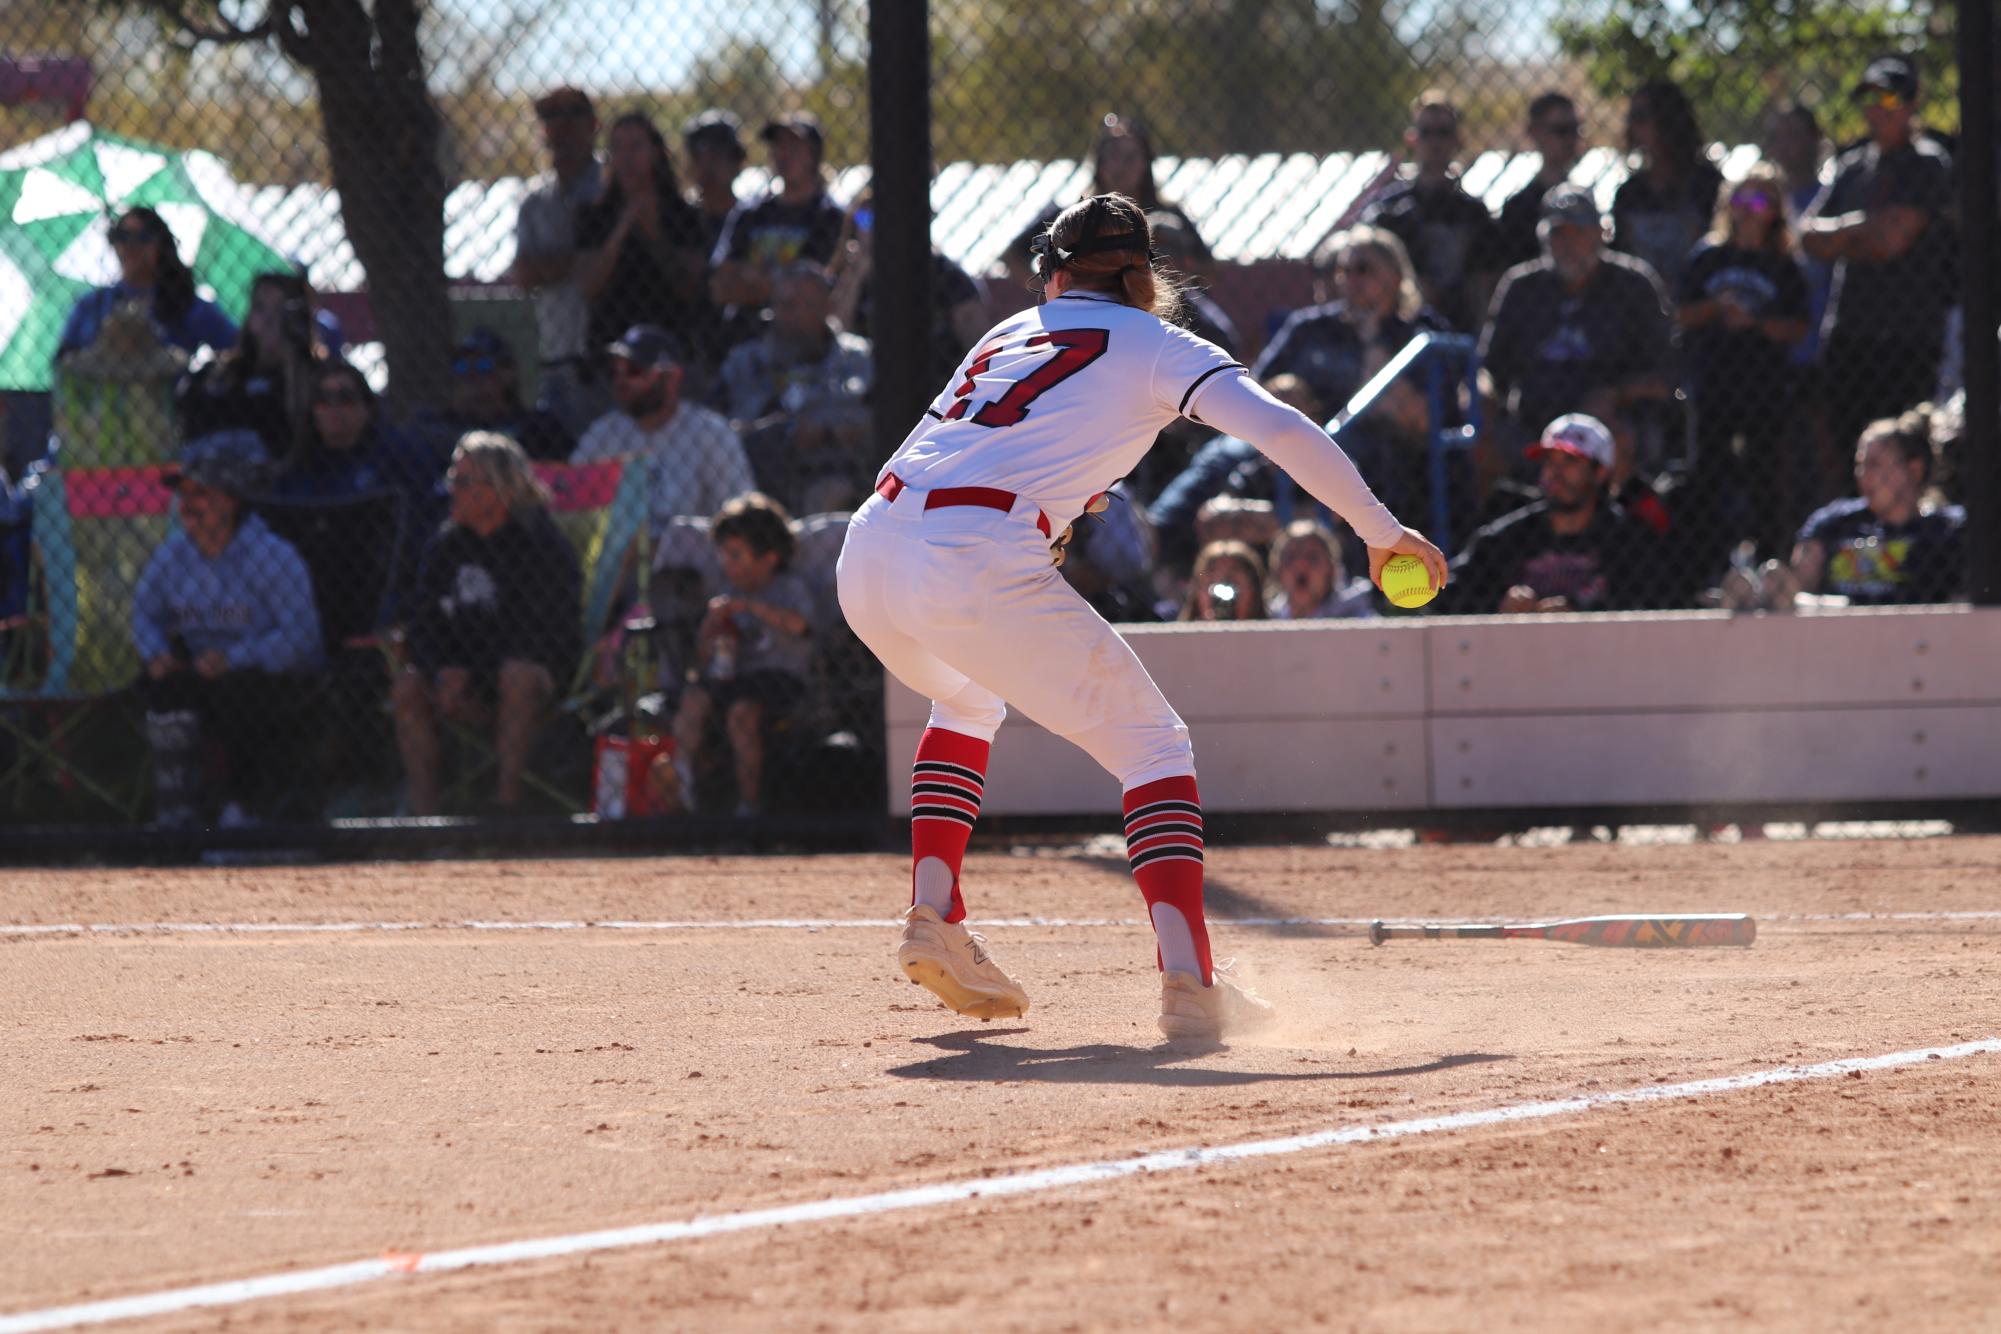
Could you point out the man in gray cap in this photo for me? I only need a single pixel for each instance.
(545, 252)
(1882, 221)
(1583, 329)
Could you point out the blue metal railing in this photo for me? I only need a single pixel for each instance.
(1446, 360)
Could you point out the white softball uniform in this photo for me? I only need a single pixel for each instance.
(946, 571)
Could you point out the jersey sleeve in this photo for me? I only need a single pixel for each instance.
(1184, 365)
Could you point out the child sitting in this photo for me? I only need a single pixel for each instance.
(753, 651)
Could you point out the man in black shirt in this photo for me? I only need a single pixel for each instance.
(1885, 223)
(795, 221)
(1448, 233)
(1583, 329)
(1573, 550)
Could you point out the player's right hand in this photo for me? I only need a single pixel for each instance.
(1412, 543)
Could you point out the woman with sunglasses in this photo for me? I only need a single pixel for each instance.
(947, 575)
(1743, 306)
(151, 274)
(351, 448)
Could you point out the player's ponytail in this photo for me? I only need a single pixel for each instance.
(1105, 245)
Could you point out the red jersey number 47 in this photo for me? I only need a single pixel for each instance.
(1073, 349)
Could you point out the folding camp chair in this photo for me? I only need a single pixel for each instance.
(94, 530)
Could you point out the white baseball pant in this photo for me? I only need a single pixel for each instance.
(962, 605)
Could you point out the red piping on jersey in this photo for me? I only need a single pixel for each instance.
(985, 497)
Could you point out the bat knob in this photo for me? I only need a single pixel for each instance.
(1378, 933)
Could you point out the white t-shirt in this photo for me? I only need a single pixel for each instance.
(695, 461)
(1058, 402)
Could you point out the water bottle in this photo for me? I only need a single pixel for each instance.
(722, 662)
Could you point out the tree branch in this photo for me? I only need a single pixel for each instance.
(228, 34)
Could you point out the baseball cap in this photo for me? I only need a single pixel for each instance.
(714, 128)
(565, 98)
(484, 342)
(1575, 433)
(234, 461)
(647, 345)
(1894, 74)
(1570, 204)
(802, 123)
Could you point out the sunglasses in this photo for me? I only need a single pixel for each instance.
(1880, 97)
(1563, 129)
(339, 397)
(564, 113)
(1755, 201)
(130, 235)
(621, 369)
(481, 365)
(1437, 131)
(457, 480)
(1357, 266)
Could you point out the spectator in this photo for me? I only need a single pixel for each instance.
(1447, 232)
(1308, 580)
(265, 382)
(545, 256)
(1228, 584)
(486, 396)
(642, 260)
(1892, 544)
(694, 460)
(958, 300)
(795, 221)
(151, 276)
(798, 395)
(1666, 205)
(351, 448)
(754, 647)
(1338, 345)
(1743, 306)
(1573, 550)
(1794, 144)
(1884, 223)
(224, 621)
(494, 631)
(1580, 330)
(714, 145)
(1121, 163)
(1557, 134)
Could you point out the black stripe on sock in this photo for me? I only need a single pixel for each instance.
(943, 790)
(1183, 850)
(1163, 807)
(1176, 828)
(973, 776)
(942, 813)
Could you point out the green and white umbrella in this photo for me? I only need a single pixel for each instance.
(58, 195)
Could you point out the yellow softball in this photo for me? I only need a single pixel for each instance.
(1406, 583)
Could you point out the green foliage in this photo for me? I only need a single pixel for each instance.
(1736, 58)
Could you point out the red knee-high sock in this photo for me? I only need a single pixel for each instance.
(1164, 845)
(947, 781)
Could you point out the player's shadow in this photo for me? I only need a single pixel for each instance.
(974, 1058)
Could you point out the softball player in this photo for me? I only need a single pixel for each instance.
(947, 576)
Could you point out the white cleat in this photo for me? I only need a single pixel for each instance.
(954, 965)
(1192, 1012)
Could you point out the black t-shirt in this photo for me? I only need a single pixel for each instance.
(1733, 366)
(1877, 564)
(483, 600)
(1322, 346)
(1515, 239)
(1547, 349)
(643, 287)
(1661, 227)
(772, 233)
(1613, 565)
(1449, 235)
(1905, 298)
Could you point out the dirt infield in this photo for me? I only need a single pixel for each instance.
(197, 1106)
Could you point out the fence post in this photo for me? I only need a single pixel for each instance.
(899, 81)
(1978, 238)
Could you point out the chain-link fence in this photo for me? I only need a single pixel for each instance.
(454, 407)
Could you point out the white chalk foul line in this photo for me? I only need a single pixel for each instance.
(238, 1291)
(807, 924)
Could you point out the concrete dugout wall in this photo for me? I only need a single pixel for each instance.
(1554, 711)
